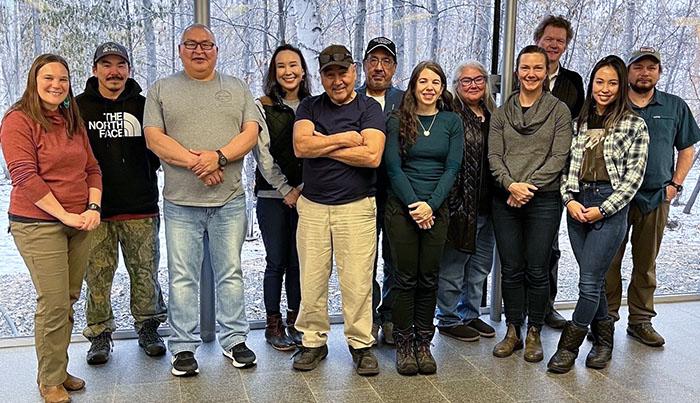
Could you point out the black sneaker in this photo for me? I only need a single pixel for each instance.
(100, 347)
(366, 363)
(459, 332)
(149, 339)
(484, 329)
(645, 333)
(241, 356)
(184, 364)
(307, 358)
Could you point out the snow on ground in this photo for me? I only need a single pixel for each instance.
(678, 271)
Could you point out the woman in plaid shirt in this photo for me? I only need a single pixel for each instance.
(608, 159)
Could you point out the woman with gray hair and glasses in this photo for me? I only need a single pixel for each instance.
(468, 254)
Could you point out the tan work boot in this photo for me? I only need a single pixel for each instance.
(533, 345)
(510, 343)
(54, 394)
(73, 383)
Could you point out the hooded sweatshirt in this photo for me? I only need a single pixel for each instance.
(115, 130)
(531, 146)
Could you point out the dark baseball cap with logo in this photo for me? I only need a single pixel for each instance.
(111, 48)
(644, 52)
(334, 55)
(381, 42)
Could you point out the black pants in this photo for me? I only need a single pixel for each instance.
(382, 293)
(524, 236)
(416, 254)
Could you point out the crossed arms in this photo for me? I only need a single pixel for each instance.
(358, 149)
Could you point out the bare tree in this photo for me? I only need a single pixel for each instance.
(151, 62)
(308, 25)
(359, 35)
(397, 13)
(434, 30)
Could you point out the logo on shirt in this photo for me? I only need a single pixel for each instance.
(116, 124)
(223, 97)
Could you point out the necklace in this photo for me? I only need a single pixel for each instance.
(426, 132)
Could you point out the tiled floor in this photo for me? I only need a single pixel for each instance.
(467, 372)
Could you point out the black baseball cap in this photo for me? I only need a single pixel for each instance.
(334, 55)
(111, 48)
(381, 42)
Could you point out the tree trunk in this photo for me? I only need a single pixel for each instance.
(281, 22)
(397, 14)
(413, 28)
(359, 34)
(151, 62)
(630, 23)
(308, 26)
(36, 29)
(434, 30)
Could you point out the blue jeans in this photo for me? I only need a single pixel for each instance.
(185, 229)
(524, 236)
(594, 246)
(462, 277)
(278, 227)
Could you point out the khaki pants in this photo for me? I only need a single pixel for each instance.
(56, 257)
(347, 232)
(647, 233)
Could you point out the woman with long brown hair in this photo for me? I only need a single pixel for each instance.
(55, 202)
(422, 155)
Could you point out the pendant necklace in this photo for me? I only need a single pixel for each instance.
(426, 132)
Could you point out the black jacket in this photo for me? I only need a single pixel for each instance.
(115, 130)
(569, 89)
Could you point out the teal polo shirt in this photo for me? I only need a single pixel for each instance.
(671, 125)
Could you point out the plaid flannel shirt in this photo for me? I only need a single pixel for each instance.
(625, 154)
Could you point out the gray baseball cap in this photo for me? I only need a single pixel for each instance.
(644, 51)
(111, 48)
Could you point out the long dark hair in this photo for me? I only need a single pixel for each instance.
(272, 88)
(407, 111)
(30, 103)
(530, 49)
(620, 105)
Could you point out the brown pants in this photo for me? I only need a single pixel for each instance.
(56, 257)
(347, 232)
(647, 233)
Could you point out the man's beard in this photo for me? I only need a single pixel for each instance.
(641, 90)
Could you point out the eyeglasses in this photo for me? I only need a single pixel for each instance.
(374, 62)
(192, 45)
(467, 81)
(336, 57)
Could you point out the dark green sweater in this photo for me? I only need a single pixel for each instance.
(428, 171)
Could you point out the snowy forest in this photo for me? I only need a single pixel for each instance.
(448, 31)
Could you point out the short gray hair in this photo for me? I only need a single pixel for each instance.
(197, 26)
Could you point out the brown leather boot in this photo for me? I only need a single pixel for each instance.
(510, 343)
(533, 345)
(275, 334)
(73, 383)
(54, 394)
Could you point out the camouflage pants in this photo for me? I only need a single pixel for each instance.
(140, 247)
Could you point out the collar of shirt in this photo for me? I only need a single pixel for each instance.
(553, 78)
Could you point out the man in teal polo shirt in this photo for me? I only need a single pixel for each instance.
(671, 125)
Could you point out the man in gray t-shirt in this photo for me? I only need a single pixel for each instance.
(201, 124)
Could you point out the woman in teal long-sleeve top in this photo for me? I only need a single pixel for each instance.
(423, 155)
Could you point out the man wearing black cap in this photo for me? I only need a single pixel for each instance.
(671, 125)
(112, 109)
(340, 136)
(379, 65)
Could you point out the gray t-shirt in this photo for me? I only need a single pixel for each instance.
(200, 115)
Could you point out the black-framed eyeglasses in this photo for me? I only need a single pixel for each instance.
(467, 81)
(336, 57)
(374, 62)
(192, 45)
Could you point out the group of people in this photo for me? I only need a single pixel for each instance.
(436, 175)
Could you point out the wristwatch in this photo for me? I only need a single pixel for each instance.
(678, 187)
(94, 207)
(222, 158)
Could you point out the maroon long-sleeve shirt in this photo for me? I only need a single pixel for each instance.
(42, 161)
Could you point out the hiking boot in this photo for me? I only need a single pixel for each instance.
(387, 333)
(481, 327)
(603, 335)
(184, 364)
(426, 362)
(510, 343)
(645, 333)
(533, 345)
(567, 350)
(149, 339)
(54, 394)
(406, 363)
(275, 334)
(241, 356)
(375, 333)
(366, 363)
(554, 319)
(459, 332)
(73, 383)
(100, 347)
(292, 331)
(308, 358)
